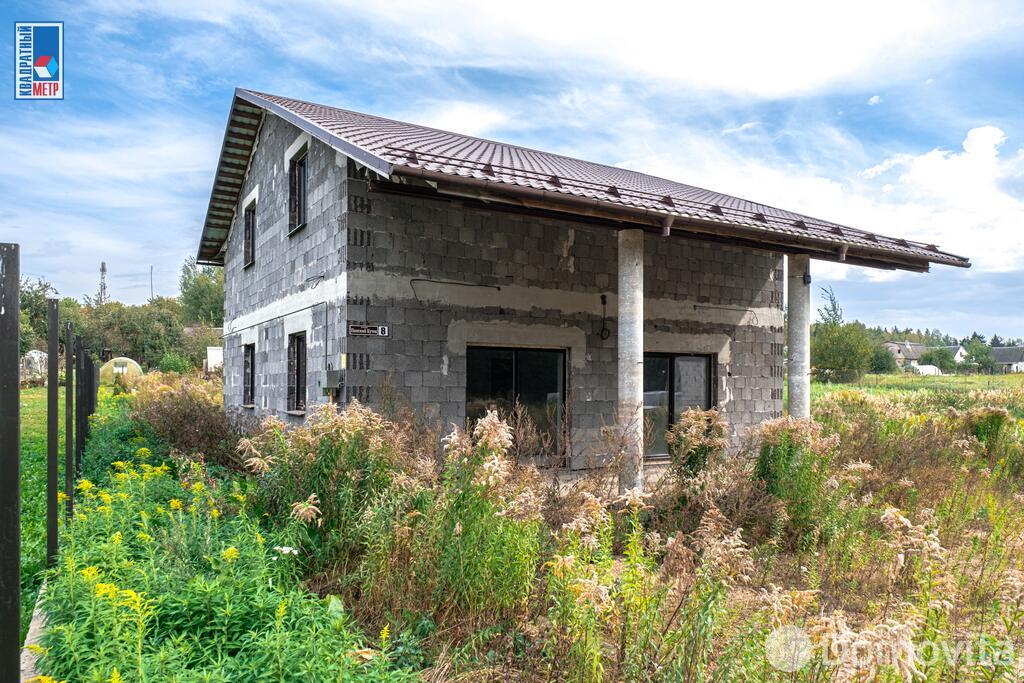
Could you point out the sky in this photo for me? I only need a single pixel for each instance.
(902, 118)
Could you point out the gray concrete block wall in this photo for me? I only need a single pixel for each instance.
(432, 270)
(297, 281)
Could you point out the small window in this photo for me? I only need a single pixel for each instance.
(672, 384)
(249, 375)
(297, 372)
(249, 256)
(297, 191)
(498, 377)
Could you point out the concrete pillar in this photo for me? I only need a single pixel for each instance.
(630, 407)
(798, 334)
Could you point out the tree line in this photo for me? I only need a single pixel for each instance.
(166, 332)
(844, 351)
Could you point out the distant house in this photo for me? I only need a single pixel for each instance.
(906, 353)
(1008, 358)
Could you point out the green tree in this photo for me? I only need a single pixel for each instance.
(979, 355)
(840, 352)
(26, 338)
(882, 360)
(34, 305)
(941, 358)
(202, 293)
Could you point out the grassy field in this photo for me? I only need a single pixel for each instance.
(33, 493)
(909, 382)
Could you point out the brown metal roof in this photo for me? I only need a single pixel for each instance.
(394, 149)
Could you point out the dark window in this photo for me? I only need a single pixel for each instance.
(498, 377)
(297, 371)
(249, 375)
(250, 235)
(673, 383)
(297, 191)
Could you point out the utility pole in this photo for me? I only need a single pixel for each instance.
(151, 282)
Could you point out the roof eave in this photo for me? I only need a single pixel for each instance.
(818, 247)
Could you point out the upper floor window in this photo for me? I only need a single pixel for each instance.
(297, 190)
(673, 383)
(249, 220)
(297, 372)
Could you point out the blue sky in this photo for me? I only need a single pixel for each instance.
(904, 118)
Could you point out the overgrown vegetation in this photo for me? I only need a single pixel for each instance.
(350, 550)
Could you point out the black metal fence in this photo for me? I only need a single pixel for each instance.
(81, 384)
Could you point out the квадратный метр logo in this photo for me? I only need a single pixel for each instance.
(39, 60)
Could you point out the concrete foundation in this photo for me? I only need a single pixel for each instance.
(630, 404)
(798, 335)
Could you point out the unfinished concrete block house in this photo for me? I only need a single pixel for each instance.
(361, 252)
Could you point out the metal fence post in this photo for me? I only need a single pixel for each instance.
(52, 484)
(79, 408)
(10, 454)
(69, 418)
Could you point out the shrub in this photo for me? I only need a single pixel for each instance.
(187, 413)
(114, 435)
(172, 361)
(792, 460)
(696, 438)
(347, 461)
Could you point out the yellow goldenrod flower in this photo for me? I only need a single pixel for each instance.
(117, 538)
(143, 453)
(36, 647)
(144, 537)
(160, 509)
(198, 487)
(281, 609)
(130, 599)
(385, 635)
(230, 554)
(259, 538)
(174, 503)
(120, 465)
(215, 513)
(85, 486)
(239, 497)
(90, 573)
(105, 497)
(104, 590)
(79, 517)
(61, 496)
(115, 676)
(44, 679)
(121, 477)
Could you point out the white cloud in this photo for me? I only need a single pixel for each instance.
(874, 99)
(742, 128)
(788, 49)
(469, 118)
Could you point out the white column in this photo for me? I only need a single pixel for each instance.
(798, 334)
(630, 407)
